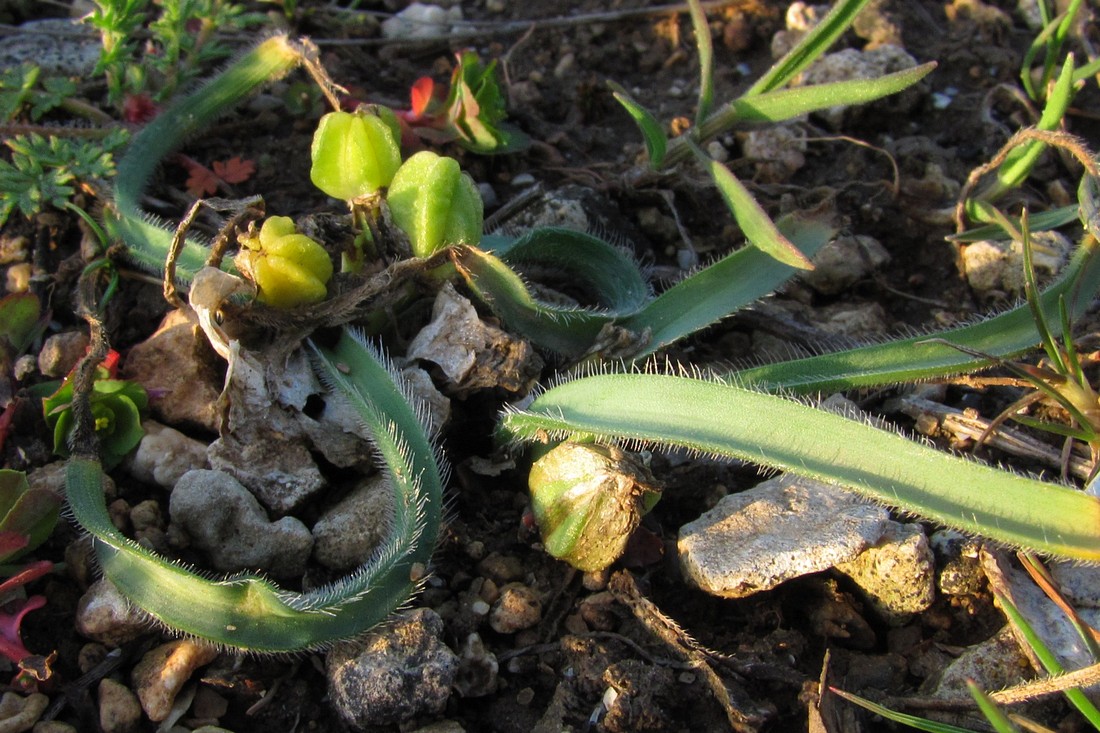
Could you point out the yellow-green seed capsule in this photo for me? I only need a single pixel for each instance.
(435, 203)
(288, 268)
(587, 501)
(354, 154)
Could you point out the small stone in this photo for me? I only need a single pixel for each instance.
(843, 262)
(1080, 584)
(777, 151)
(105, 615)
(472, 354)
(52, 726)
(227, 523)
(165, 454)
(598, 611)
(186, 394)
(994, 664)
(501, 568)
(347, 532)
(898, 573)
(994, 266)
(163, 671)
(397, 673)
(58, 46)
(89, 656)
(477, 669)
(518, 608)
(60, 353)
(865, 321)
(208, 705)
(780, 529)
(18, 713)
(420, 20)
(281, 474)
(119, 708)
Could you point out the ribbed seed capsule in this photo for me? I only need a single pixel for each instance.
(288, 268)
(435, 203)
(354, 154)
(587, 500)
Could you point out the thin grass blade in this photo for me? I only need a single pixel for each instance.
(755, 223)
(912, 721)
(705, 48)
(784, 104)
(724, 287)
(656, 142)
(919, 357)
(812, 45)
(1050, 662)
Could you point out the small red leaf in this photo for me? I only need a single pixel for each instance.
(138, 109)
(234, 170)
(421, 96)
(201, 182)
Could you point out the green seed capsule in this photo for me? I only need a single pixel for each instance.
(435, 203)
(289, 269)
(354, 154)
(587, 500)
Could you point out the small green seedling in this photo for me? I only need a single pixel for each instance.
(471, 112)
(116, 406)
(45, 172)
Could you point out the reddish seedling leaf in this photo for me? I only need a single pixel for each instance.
(201, 181)
(234, 170)
(420, 97)
(137, 109)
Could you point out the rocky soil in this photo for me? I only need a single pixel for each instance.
(716, 618)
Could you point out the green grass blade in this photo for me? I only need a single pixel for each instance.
(1040, 222)
(1019, 162)
(146, 240)
(1050, 663)
(1085, 71)
(656, 142)
(723, 287)
(783, 104)
(912, 721)
(608, 272)
(249, 612)
(705, 48)
(996, 717)
(1009, 334)
(726, 420)
(755, 223)
(812, 45)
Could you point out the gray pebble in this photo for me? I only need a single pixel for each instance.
(394, 674)
(781, 529)
(224, 520)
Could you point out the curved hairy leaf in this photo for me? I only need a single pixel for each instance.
(722, 419)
